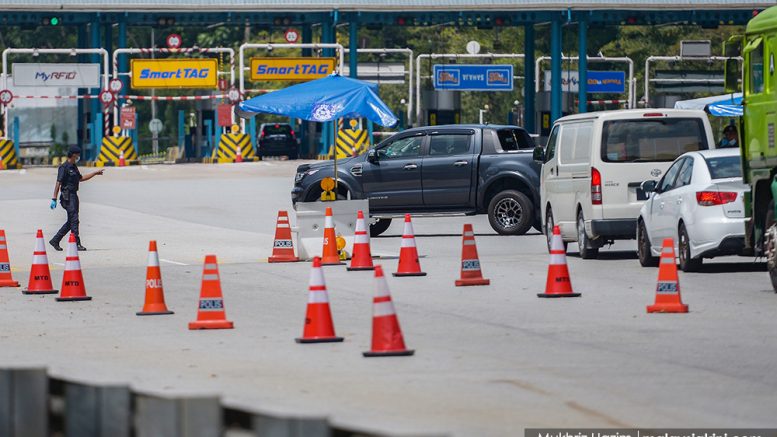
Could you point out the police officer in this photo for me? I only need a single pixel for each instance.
(68, 178)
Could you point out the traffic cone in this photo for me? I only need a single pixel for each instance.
(470, 263)
(362, 257)
(40, 275)
(318, 318)
(387, 337)
(239, 154)
(73, 288)
(558, 284)
(122, 162)
(329, 255)
(408, 254)
(668, 287)
(155, 293)
(283, 246)
(211, 313)
(6, 278)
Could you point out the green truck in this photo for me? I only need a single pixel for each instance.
(757, 129)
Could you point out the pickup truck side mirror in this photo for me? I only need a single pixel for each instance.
(649, 186)
(372, 156)
(539, 154)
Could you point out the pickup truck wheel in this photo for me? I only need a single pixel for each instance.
(511, 213)
(379, 226)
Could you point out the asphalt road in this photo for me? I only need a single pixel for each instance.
(489, 360)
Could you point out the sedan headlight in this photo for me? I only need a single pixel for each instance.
(298, 178)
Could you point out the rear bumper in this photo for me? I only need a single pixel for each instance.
(731, 245)
(615, 229)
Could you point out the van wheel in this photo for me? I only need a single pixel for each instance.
(379, 226)
(586, 251)
(511, 213)
(646, 258)
(687, 264)
(549, 223)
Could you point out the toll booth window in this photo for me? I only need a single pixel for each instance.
(514, 139)
(407, 147)
(651, 140)
(757, 70)
(449, 144)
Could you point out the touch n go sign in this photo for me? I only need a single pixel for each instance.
(174, 73)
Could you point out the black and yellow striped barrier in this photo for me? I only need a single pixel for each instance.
(227, 149)
(8, 158)
(110, 152)
(350, 142)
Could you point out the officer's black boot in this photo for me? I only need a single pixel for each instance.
(79, 246)
(55, 245)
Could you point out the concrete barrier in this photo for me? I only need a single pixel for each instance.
(24, 402)
(98, 411)
(177, 416)
(310, 224)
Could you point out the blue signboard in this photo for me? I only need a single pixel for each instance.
(606, 82)
(473, 77)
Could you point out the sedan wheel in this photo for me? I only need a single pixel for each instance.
(646, 258)
(687, 264)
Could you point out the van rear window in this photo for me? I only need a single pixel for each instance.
(651, 140)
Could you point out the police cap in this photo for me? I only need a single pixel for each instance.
(74, 150)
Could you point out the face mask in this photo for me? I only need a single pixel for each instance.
(78, 158)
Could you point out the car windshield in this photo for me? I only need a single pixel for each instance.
(725, 167)
(651, 140)
(277, 129)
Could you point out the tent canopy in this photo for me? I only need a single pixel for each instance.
(726, 105)
(322, 100)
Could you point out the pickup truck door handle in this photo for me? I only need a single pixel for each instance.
(410, 167)
(460, 163)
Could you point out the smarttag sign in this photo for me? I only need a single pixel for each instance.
(56, 75)
(472, 77)
(174, 73)
(293, 69)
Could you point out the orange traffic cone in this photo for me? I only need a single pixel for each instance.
(470, 263)
(318, 318)
(122, 162)
(362, 257)
(558, 284)
(387, 337)
(211, 313)
(239, 154)
(6, 278)
(408, 254)
(155, 293)
(668, 287)
(330, 257)
(40, 275)
(283, 246)
(73, 288)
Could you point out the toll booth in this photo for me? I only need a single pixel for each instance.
(441, 107)
(543, 105)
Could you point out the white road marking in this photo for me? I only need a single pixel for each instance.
(172, 262)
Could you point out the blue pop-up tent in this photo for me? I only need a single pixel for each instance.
(727, 105)
(326, 99)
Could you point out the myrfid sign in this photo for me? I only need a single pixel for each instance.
(174, 73)
(56, 75)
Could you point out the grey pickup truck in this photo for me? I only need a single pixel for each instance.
(437, 171)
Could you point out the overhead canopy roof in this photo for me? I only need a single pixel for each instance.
(366, 5)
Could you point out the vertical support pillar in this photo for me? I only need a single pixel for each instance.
(15, 137)
(529, 86)
(304, 133)
(123, 61)
(555, 68)
(181, 132)
(96, 107)
(582, 64)
(353, 46)
(328, 35)
(81, 126)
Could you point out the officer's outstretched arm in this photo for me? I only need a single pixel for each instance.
(91, 175)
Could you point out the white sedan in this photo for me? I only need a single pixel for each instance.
(699, 203)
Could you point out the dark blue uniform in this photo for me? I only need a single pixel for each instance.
(69, 177)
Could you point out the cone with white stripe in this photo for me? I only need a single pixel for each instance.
(470, 262)
(558, 284)
(387, 340)
(155, 293)
(239, 154)
(6, 278)
(362, 256)
(283, 246)
(211, 313)
(330, 256)
(319, 327)
(409, 265)
(668, 288)
(122, 161)
(40, 275)
(73, 288)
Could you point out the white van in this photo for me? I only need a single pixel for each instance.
(594, 163)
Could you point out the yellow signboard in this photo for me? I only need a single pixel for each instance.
(293, 69)
(174, 73)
